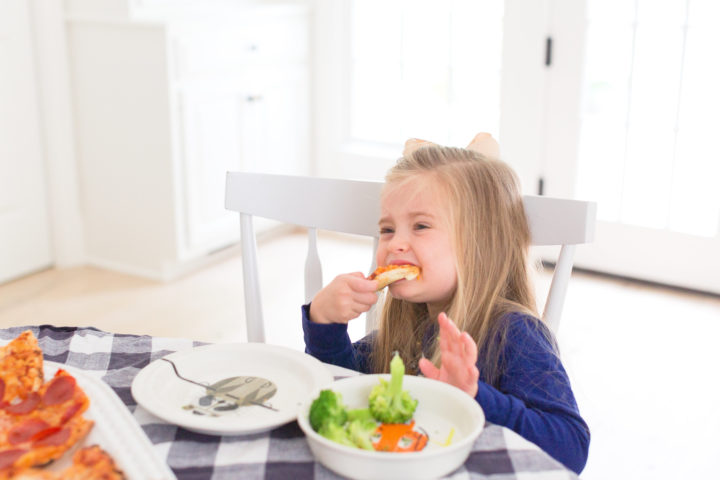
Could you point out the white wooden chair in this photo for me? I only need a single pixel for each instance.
(350, 206)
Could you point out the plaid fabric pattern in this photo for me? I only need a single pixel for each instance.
(283, 453)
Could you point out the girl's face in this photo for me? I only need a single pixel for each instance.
(414, 229)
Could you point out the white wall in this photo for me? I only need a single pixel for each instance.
(56, 116)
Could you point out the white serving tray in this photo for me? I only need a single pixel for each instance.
(115, 430)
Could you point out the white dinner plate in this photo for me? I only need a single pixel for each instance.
(279, 378)
(114, 429)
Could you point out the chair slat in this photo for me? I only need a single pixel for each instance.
(313, 267)
(347, 206)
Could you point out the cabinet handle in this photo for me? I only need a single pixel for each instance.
(253, 98)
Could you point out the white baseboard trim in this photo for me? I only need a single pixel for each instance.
(182, 268)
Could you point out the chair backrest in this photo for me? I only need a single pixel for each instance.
(350, 206)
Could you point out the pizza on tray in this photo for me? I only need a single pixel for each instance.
(40, 421)
(89, 463)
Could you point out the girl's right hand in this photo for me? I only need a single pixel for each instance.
(343, 299)
(458, 357)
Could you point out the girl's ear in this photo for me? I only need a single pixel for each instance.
(484, 144)
(413, 144)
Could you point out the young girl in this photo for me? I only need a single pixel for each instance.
(458, 215)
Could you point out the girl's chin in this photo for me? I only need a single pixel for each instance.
(403, 291)
(414, 293)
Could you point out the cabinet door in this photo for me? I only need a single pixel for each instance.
(24, 242)
(259, 123)
(244, 105)
(211, 122)
(275, 122)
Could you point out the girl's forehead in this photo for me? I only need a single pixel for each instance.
(417, 191)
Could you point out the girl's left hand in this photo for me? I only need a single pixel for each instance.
(458, 356)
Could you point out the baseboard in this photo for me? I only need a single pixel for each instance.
(639, 281)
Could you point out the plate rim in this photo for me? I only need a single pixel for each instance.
(197, 424)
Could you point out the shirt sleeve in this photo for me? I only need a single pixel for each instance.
(534, 397)
(330, 343)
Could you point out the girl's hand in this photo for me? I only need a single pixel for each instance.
(343, 299)
(458, 356)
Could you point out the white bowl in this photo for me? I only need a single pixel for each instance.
(441, 409)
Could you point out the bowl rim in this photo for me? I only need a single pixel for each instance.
(304, 422)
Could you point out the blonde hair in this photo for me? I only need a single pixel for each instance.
(490, 238)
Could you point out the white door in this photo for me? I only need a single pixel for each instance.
(645, 142)
(24, 242)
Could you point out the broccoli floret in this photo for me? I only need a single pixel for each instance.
(327, 409)
(360, 414)
(389, 403)
(336, 433)
(361, 426)
(361, 430)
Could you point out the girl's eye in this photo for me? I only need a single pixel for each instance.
(421, 226)
(384, 230)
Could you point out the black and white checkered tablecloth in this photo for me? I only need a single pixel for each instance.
(280, 454)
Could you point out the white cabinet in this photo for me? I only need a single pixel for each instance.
(165, 104)
(24, 242)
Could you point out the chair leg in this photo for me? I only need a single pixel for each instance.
(251, 281)
(558, 287)
(371, 315)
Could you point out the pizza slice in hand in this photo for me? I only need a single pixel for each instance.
(388, 274)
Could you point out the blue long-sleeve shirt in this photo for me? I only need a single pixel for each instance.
(533, 395)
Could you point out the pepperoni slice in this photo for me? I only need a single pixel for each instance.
(60, 390)
(25, 430)
(70, 412)
(2, 389)
(8, 457)
(51, 437)
(25, 406)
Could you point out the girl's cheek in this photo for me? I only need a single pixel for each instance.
(380, 255)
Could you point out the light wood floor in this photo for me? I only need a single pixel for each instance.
(643, 360)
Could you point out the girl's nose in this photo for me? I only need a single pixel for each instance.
(398, 244)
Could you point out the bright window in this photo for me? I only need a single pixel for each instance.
(651, 114)
(426, 69)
